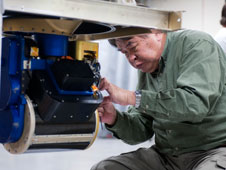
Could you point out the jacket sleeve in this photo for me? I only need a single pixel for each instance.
(199, 85)
(132, 127)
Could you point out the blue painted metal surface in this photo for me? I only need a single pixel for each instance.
(5, 84)
(11, 99)
(39, 64)
(6, 122)
(52, 45)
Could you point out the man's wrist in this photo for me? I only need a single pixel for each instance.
(110, 125)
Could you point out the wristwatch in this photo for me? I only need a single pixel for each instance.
(138, 98)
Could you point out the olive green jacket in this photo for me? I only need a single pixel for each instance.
(184, 102)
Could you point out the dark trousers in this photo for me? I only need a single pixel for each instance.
(151, 159)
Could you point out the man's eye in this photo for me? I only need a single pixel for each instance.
(130, 44)
(133, 49)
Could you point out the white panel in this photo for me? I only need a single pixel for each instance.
(212, 15)
(101, 11)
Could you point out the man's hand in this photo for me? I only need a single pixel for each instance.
(117, 95)
(107, 112)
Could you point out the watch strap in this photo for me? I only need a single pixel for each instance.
(138, 98)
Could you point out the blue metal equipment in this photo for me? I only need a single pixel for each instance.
(38, 81)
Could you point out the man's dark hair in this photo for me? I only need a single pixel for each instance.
(223, 16)
(113, 41)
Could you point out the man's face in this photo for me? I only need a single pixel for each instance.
(143, 52)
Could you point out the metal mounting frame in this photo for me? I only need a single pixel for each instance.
(93, 10)
(125, 16)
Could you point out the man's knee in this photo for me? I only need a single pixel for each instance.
(215, 160)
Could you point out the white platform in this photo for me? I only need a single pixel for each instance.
(69, 160)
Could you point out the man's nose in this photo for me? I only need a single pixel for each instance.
(132, 57)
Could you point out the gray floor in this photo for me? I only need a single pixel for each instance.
(69, 160)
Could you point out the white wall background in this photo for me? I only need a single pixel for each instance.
(200, 15)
